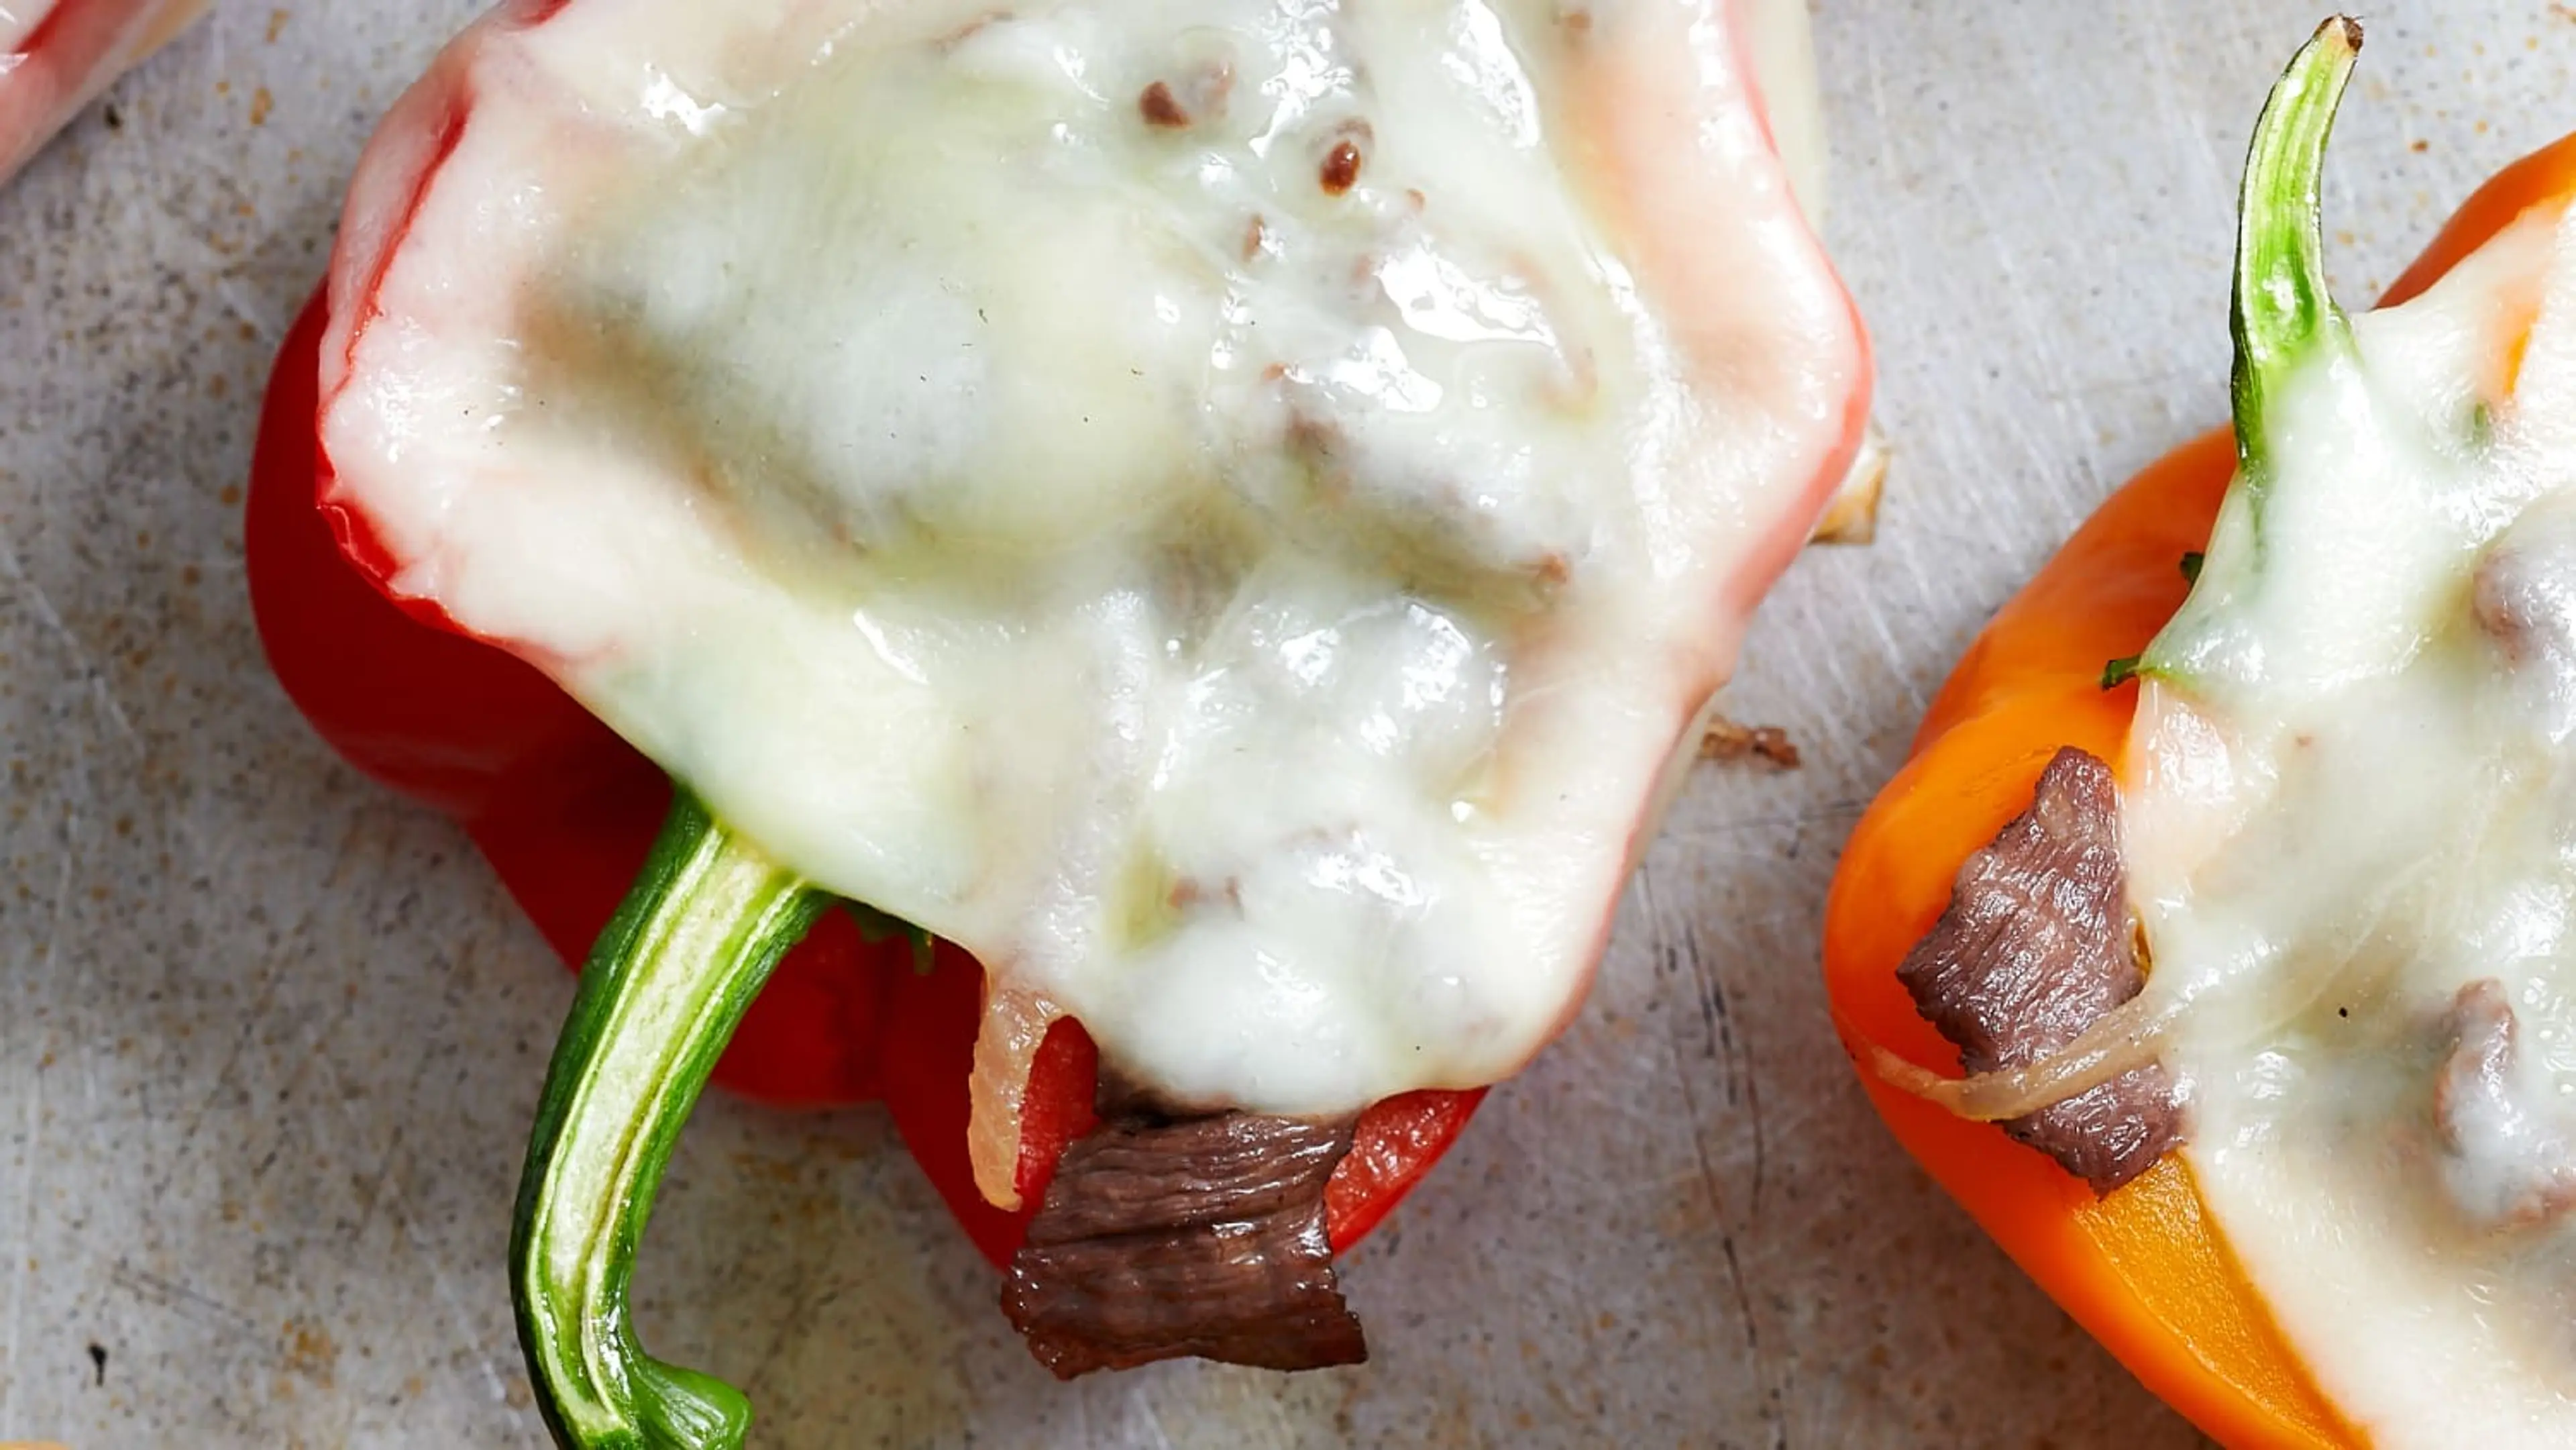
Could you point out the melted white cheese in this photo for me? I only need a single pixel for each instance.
(2352, 800)
(1251, 617)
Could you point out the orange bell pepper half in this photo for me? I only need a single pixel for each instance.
(2145, 1270)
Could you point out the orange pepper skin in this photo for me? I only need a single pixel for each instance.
(2145, 1270)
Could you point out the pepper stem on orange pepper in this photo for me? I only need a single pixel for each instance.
(2280, 315)
(707, 919)
(2281, 311)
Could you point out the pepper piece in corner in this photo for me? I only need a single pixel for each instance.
(56, 58)
(2145, 1270)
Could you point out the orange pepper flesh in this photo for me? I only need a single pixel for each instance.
(2144, 1270)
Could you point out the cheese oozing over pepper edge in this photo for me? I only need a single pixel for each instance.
(2352, 849)
(1226, 510)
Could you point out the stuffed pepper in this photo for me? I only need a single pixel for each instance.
(2214, 947)
(57, 55)
(1177, 549)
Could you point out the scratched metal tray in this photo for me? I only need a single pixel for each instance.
(269, 1039)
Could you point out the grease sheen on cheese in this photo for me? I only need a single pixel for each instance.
(1225, 509)
(2353, 799)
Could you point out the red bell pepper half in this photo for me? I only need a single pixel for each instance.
(566, 812)
(714, 959)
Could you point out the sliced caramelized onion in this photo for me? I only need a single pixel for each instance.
(2127, 1037)
(1015, 1025)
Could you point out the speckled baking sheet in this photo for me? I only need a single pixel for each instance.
(269, 1038)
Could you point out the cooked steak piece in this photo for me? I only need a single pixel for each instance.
(2035, 946)
(1204, 1236)
(2524, 597)
(2508, 1160)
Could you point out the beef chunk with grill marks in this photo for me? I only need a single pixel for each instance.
(2034, 948)
(1202, 1237)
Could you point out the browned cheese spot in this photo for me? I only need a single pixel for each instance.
(1160, 109)
(2505, 1167)
(2036, 945)
(1341, 168)
(1205, 1236)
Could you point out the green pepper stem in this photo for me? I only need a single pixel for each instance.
(663, 991)
(2281, 305)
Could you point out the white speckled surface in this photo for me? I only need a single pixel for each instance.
(269, 1038)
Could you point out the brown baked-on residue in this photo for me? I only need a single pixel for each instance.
(1205, 1236)
(2505, 1164)
(2035, 946)
(1728, 741)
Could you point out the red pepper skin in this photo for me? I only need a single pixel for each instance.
(566, 812)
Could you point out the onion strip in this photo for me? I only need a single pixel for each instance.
(2121, 1040)
(1006, 1046)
